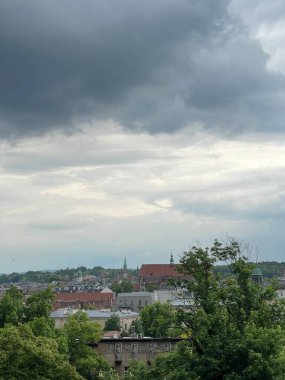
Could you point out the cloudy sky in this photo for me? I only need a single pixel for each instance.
(137, 128)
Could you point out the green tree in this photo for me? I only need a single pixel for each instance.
(236, 326)
(80, 332)
(157, 320)
(124, 286)
(24, 356)
(43, 327)
(112, 323)
(137, 325)
(39, 305)
(11, 307)
(110, 374)
(137, 371)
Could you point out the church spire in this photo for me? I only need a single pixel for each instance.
(125, 264)
(171, 259)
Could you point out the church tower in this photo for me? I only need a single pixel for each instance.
(125, 269)
(257, 276)
(125, 264)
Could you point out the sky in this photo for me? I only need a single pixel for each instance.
(137, 129)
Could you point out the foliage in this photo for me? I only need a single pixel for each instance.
(110, 374)
(137, 371)
(25, 356)
(11, 307)
(80, 332)
(137, 327)
(39, 305)
(150, 288)
(270, 269)
(14, 309)
(28, 337)
(90, 366)
(236, 326)
(124, 286)
(157, 320)
(112, 323)
(42, 326)
(62, 274)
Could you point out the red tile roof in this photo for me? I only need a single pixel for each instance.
(159, 270)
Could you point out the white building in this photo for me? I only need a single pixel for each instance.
(60, 316)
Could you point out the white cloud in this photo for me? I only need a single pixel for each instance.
(167, 192)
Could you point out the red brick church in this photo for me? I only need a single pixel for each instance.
(157, 275)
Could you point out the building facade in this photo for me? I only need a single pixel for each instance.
(134, 301)
(126, 318)
(98, 300)
(119, 352)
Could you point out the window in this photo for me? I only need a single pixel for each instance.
(126, 371)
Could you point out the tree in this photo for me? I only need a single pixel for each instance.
(157, 320)
(39, 305)
(11, 307)
(25, 356)
(137, 371)
(43, 327)
(137, 325)
(236, 326)
(110, 374)
(80, 332)
(112, 323)
(14, 309)
(124, 286)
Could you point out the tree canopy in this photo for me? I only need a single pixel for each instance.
(80, 332)
(39, 305)
(235, 326)
(157, 319)
(112, 323)
(124, 286)
(32, 348)
(25, 356)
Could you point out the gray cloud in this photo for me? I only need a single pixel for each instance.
(156, 65)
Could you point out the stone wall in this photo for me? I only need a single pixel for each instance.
(118, 352)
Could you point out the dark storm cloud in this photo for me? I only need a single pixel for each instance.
(156, 65)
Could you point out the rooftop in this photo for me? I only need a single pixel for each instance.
(257, 272)
(63, 313)
(135, 294)
(160, 270)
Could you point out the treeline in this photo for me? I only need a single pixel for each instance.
(270, 269)
(44, 277)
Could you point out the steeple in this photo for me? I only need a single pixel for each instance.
(125, 264)
(171, 259)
